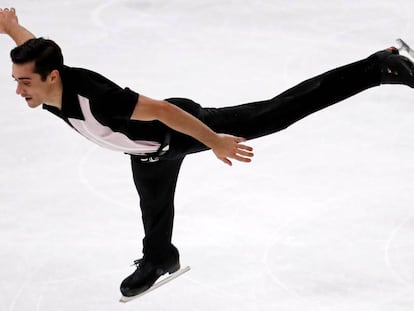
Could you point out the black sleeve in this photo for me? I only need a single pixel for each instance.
(118, 102)
(108, 98)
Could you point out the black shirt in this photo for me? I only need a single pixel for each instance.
(100, 110)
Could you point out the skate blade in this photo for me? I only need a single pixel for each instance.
(404, 47)
(157, 284)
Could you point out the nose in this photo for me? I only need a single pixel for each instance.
(19, 89)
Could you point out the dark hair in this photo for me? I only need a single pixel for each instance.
(46, 54)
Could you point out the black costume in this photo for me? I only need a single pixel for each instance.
(101, 110)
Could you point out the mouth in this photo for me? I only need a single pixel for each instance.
(29, 101)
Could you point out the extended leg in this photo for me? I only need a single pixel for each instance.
(265, 117)
(261, 118)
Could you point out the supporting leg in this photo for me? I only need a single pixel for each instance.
(156, 183)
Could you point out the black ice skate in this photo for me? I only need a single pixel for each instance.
(395, 68)
(157, 284)
(146, 274)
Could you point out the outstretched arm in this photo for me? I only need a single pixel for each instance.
(224, 146)
(9, 25)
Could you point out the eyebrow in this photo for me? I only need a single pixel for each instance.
(22, 78)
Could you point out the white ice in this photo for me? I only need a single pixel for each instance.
(323, 219)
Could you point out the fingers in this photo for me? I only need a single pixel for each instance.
(243, 152)
(241, 156)
(242, 159)
(7, 13)
(8, 18)
(239, 140)
(232, 148)
(13, 10)
(226, 161)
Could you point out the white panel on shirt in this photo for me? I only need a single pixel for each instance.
(107, 138)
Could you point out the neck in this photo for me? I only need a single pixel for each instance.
(55, 96)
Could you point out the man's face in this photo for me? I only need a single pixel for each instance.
(30, 85)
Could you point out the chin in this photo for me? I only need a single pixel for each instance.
(33, 104)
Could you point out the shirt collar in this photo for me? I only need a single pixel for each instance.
(70, 101)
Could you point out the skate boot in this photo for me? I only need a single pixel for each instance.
(395, 68)
(146, 274)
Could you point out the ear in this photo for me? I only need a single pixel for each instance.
(54, 76)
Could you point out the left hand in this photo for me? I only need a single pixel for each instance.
(230, 147)
(8, 19)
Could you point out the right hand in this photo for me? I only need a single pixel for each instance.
(8, 19)
(231, 147)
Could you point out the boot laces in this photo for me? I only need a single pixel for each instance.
(138, 263)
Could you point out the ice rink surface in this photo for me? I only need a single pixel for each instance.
(323, 219)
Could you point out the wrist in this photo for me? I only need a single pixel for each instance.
(18, 33)
(213, 140)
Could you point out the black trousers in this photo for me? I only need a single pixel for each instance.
(156, 181)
